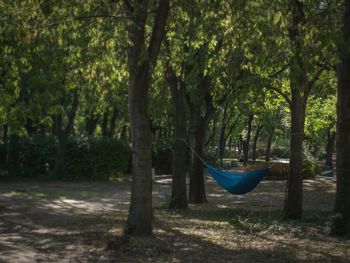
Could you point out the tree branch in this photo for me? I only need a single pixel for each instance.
(312, 82)
(275, 74)
(158, 31)
(280, 92)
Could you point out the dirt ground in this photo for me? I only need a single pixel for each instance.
(83, 222)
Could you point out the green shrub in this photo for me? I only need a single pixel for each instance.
(310, 169)
(280, 171)
(162, 156)
(277, 171)
(86, 158)
(280, 152)
(96, 158)
(37, 155)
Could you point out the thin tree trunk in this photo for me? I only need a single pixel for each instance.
(330, 148)
(268, 146)
(111, 131)
(124, 134)
(91, 124)
(255, 140)
(222, 141)
(104, 127)
(247, 140)
(341, 223)
(178, 193)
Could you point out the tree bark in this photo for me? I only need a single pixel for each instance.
(62, 133)
(222, 141)
(91, 124)
(341, 223)
(141, 63)
(294, 202)
(255, 140)
(330, 148)
(111, 131)
(178, 193)
(293, 206)
(197, 186)
(199, 125)
(268, 146)
(104, 126)
(247, 140)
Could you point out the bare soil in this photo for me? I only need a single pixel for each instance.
(83, 222)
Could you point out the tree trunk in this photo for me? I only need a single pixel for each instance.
(247, 140)
(104, 126)
(62, 133)
(294, 201)
(124, 134)
(268, 146)
(141, 61)
(178, 193)
(199, 125)
(111, 131)
(293, 206)
(255, 140)
(91, 124)
(222, 141)
(341, 223)
(330, 148)
(197, 186)
(31, 130)
(140, 212)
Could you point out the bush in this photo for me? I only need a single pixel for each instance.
(310, 169)
(280, 152)
(280, 171)
(162, 156)
(86, 158)
(37, 155)
(96, 158)
(277, 171)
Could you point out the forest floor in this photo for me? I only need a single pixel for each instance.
(76, 222)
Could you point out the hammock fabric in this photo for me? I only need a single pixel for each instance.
(236, 182)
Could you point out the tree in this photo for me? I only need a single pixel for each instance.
(178, 190)
(142, 59)
(341, 224)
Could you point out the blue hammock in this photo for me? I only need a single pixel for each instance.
(237, 183)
